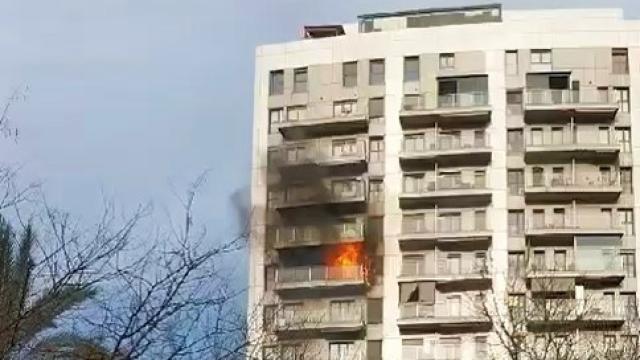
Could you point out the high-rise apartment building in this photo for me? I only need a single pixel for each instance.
(407, 165)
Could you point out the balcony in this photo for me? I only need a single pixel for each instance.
(428, 228)
(333, 152)
(458, 108)
(442, 316)
(464, 273)
(595, 311)
(334, 192)
(422, 149)
(319, 277)
(586, 104)
(581, 188)
(446, 191)
(340, 123)
(560, 229)
(611, 271)
(293, 236)
(322, 320)
(565, 148)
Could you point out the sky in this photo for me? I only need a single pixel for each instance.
(132, 100)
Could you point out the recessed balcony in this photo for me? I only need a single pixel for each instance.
(319, 277)
(583, 187)
(456, 108)
(293, 236)
(562, 148)
(560, 229)
(442, 316)
(445, 190)
(446, 150)
(446, 227)
(340, 123)
(335, 192)
(333, 152)
(582, 105)
(324, 320)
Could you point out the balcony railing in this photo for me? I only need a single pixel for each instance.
(431, 224)
(581, 181)
(466, 268)
(311, 234)
(549, 140)
(444, 143)
(440, 311)
(328, 191)
(595, 224)
(594, 309)
(319, 151)
(317, 318)
(445, 183)
(448, 101)
(319, 273)
(567, 96)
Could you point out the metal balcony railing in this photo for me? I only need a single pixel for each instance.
(323, 273)
(431, 224)
(567, 137)
(445, 183)
(439, 311)
(328, 191)
(466, 268)
(581, 181)
(305, 234)
(426, 143)
(319, 151)
(313, 318)
(448, 101)
(593, 308)
(568, 96)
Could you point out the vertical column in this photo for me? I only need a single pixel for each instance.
(634, 101)
(498, 173)
(392, 343)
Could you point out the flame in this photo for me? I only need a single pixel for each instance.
(346, 255)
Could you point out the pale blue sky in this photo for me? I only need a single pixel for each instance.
(129, 96)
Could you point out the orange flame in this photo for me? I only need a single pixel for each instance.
(346, 255)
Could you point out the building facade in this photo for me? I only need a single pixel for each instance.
(407, 165)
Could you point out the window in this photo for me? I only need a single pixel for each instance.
(623, 137)
(515, 182)
(269, 277)
(454, 264)
(350, 74)
(620, 61)
(628, 301)
(557, 135)
(376, 72)
(603, 135)
(622, 98)
(447, 61)
(376, 150)
(296, 113)
(511, 62)
(276, 116)
(449, 222)
(538, 219)
(539, 260)
(413, 183)
(536, 136)
(516, 222)
(418, 292)
(341, 351)
(414, 223)
(276, 82)
(629, 263)
(411, 102)
(540, 56)
(625, 219)
(411, 68)
(344, 147)
(412, 265)
(516, 264)
(558, 218)
(345, 108)
(343, 310)
(300, 80)
(342, 189)
(514, 98)
(479, 179)
(557, 176)
(376, 191)
(481, 347)
(537, 175)
(374, 349)
(450, 348)
(480, 219)
(560, 260)
(514, 140)
(376, 108)
(414, 142)
(626, 180)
